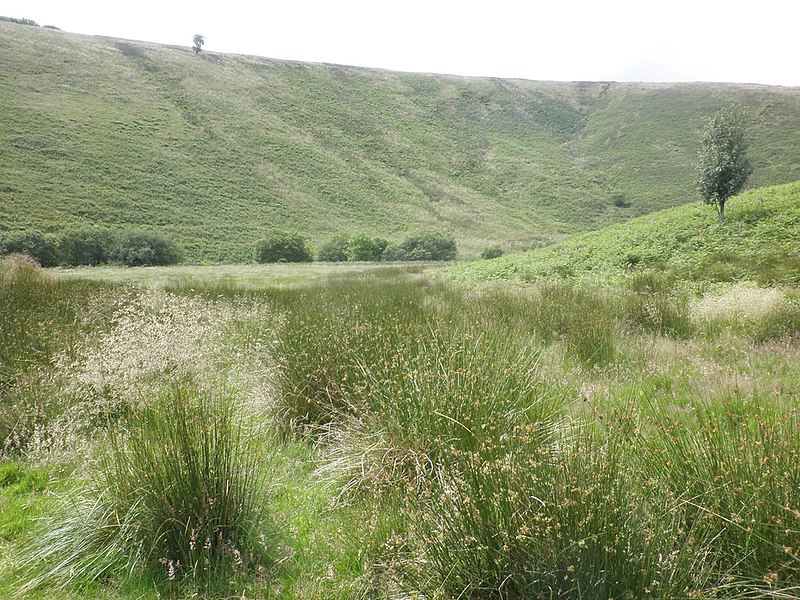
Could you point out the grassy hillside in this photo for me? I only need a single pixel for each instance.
(759, 240)
(213, 149)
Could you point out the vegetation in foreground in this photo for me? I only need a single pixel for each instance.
(389, 435)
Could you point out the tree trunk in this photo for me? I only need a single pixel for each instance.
(721, 210)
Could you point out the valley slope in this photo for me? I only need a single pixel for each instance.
(213, 149)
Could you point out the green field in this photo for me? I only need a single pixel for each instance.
(320, 432)
(212, 149)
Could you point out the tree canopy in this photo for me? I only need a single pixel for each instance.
(722, 164)
(197, 43)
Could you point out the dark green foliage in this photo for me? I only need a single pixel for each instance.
(334, 250)
(39, 246)
(361, 247)
(378, 247)
(429, 245)
(722, 164)
(139, 248)
(197, 43)
(393, 253)
(282, 246)
(86, 246)
(20, 21)
(492, 252)
(90, 246)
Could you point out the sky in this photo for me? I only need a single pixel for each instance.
(561, 40)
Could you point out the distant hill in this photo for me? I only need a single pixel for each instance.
(759, 241)
(213, 149)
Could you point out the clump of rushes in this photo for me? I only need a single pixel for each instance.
(650, 301)
(444, 393)
(36, 312)
(583, 318)
(38, 321)
(179, 498)
(731, 467)
(330, 332)
(550, 513)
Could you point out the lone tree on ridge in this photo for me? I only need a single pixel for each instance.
(198, 42)
(722, 164)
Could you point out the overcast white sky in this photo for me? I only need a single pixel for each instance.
(566, 40)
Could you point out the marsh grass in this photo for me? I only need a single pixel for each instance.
(509, 491)
(545, 512)
(582, 318)
(334, 334)
(564, 440)
(758, 313)
(731, 467)
(445, 393)
(654, 302)
(38, 322)
(37, 315)
(179, 498)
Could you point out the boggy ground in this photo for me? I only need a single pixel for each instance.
(385, 434)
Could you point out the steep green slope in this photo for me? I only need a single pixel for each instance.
(759, 240)
(644, 140)
(212, 149)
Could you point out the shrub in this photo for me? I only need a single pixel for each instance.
(139, 248)
(282, 246)
(491, 252)
(378, 248)
(23, 21)
(393, 253)
(86, 246)
(334, 250)
(429, 245)
(41, 247)
(361, 247)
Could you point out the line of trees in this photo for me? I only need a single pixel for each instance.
(90, 246)
(282, 246)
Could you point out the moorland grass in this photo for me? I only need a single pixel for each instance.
(211, 150)
(758, 242)
(558, 441)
